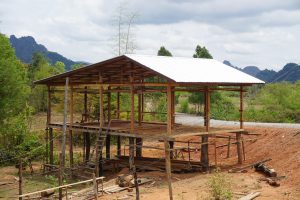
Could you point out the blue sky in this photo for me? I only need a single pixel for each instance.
(245, 32)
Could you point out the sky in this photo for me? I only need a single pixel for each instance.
(263, 33)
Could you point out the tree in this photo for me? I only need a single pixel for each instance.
(124, 21)
(202, 52)
(14, 93)
(163, 52)
(197, 98)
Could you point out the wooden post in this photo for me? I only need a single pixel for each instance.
(49, 106)
(119, 146)
(239, 135)
(173, 106)
(99, 159)
(87, 146)
(85, 119)
(228, 147)
(20, 178)
(118, 105)
(204, 147)
(108, 105)
(60, 176)
(139, 144)
(48, 122)
(167, 147)
(131, 153)
(171, 144)
(63, 148)
(51, 146)
(95, 186)
(71, 126)
(47, 144)
(140, 109)
(107, 146)
(132, 105)
(168, 168)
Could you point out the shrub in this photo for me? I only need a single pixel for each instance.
(220, 186)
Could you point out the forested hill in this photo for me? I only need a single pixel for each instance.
(25, 47)
(290, 72)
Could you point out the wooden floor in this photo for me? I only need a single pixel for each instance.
(122, 128)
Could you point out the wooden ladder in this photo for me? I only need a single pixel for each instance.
(100, 142)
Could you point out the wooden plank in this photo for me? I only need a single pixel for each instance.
(250, 196)
(166, 142)
(62, 186)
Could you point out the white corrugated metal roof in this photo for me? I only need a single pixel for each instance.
(194, 70)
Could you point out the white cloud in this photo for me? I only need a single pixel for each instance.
(248, 32)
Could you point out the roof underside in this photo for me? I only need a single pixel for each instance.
(172, 69)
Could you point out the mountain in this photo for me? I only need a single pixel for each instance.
(25, 47)
(290, 72)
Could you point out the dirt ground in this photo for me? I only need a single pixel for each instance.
(280, 144)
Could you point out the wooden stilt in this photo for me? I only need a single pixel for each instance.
(51, 156)
(140, 109)
(99, 159)
(107, 146)
(238, 135)
(167, 147)
(71, 126)
(48, 129)
(20, 178)
(131, 153)
(47, 145)
(63, 148)
(60, 176)
(168, 168)
(87, 146)
(204, 148)
(228, 147)
(118, 105)
(139, 144)
(119, 146)
(108, 105)
(132, 106)
(171, 144)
